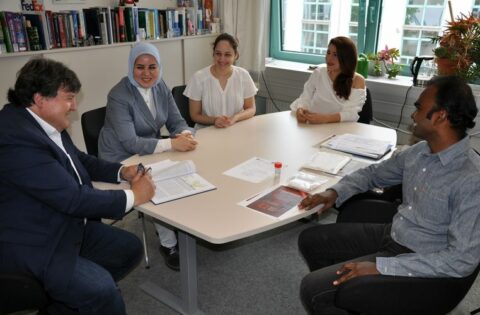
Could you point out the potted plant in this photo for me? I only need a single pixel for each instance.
(384, 62)
(458, 50)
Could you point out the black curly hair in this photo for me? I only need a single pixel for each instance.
(44, 76)
(455, 96)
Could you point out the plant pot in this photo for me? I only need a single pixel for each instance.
(446, 66)
(373, 72)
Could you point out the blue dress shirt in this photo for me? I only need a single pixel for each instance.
(439, 218)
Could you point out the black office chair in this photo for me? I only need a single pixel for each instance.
(366, 114)
(371, 206)
(21, 292)
(182, 104)
(92, 122)
(364, 295)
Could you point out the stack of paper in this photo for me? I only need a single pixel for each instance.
(359, 145)
(329, 162)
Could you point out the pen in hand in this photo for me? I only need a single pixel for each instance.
(142, 170)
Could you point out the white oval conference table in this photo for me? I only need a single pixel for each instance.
(215, 216)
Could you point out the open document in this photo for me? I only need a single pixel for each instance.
(358, 145)
(176, 179)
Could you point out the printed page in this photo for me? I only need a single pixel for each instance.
(328, 162)
(254, 170)
(179, 187)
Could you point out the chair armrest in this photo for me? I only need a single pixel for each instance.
(380, 294)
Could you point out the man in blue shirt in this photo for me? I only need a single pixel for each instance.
(436, 232)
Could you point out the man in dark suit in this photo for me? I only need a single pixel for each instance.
(48, 207)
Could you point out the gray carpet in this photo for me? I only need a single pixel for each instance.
(258, 275)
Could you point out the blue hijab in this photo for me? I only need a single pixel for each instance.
(142, 48)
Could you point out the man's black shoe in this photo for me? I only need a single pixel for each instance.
(172, 259)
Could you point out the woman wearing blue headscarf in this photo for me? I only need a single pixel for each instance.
(137, 108)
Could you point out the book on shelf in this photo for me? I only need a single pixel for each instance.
(102, 18)
(176, 179)
(144, 22)
(120, 21)
(328, 162)
(16, 30)
(38, 23)
(358, 145)
(5, 33)
(153, 19)
(3, 47)
(162, 23)
(93, 28)
(129, 14)
(51, 29)
(59, 19)
(33, 37)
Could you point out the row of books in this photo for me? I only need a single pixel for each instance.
(42, 30)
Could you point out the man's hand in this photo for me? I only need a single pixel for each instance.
(143, 188)
(184, 142)
(327, 197)
(355, 269)
(301, 115)
(128, 172)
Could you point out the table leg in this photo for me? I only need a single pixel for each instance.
(188, 303)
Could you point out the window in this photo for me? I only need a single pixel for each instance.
(408, 25)
(307, 26)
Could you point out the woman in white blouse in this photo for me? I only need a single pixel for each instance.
(334, 92)
(221, 94)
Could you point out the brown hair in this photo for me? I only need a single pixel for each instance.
(229, 38)
(347, 58)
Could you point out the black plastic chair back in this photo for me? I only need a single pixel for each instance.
(182, 104)
(366, 114)
(92, 123)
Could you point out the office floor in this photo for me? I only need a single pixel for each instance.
(258, 275)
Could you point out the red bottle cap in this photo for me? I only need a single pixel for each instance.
(278, 164)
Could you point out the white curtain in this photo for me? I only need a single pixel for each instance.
(249, 21)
